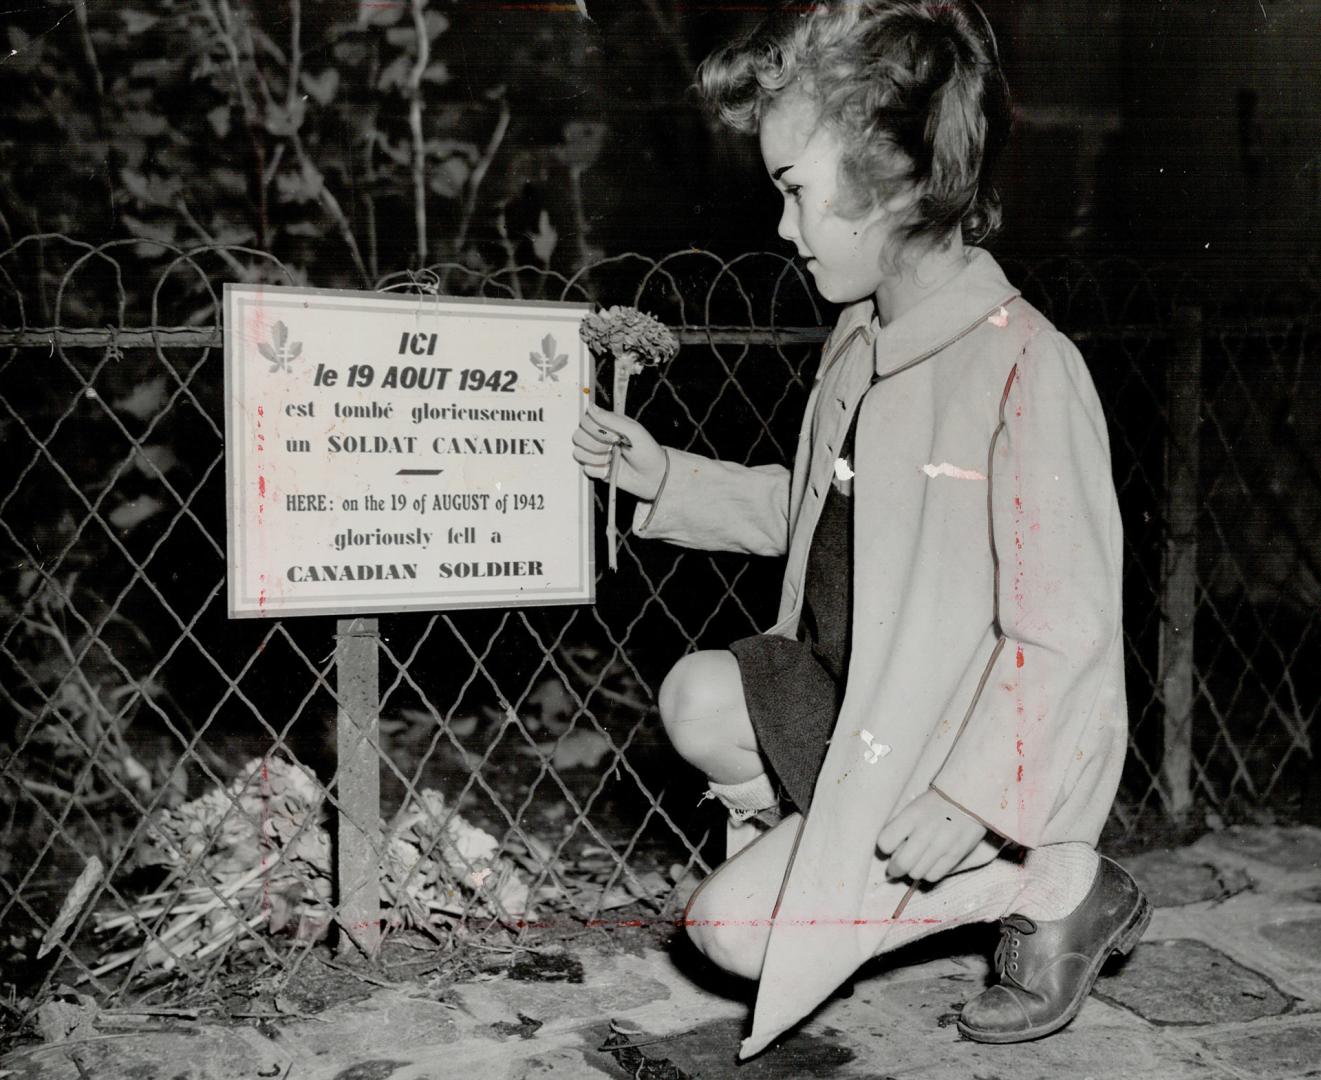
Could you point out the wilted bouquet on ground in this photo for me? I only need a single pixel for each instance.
(635, 340)
(258, 851)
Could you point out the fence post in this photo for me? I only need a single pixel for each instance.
(358, 789)
(1183, 395)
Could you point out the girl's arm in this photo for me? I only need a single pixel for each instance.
(1054, 691)
(689, 500)
(718, 506)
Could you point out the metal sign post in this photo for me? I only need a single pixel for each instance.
(358, 789)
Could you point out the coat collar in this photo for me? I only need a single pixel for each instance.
(968, 299)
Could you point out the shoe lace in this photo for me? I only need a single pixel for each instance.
(1012, 927)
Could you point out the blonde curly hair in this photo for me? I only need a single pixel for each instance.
(913, 89)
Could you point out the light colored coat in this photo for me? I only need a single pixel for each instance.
(987, 651)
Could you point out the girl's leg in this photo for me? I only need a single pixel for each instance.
(706, 719)
(728, 917)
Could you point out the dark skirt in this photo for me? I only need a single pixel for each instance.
(792, 699)
(793, 688)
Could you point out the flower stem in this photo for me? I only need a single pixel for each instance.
(623, 370)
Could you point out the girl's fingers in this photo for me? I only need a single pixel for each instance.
(938, 869)
(593, 441)
(590, 437)
(589, 444)
(930, 851)
(593, 465)
(900, 861)
(611, 423)
(592, 461)
(922, 870)
(892, 835)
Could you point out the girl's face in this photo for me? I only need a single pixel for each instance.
(845, 255)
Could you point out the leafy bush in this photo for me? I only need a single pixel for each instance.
(346, 139)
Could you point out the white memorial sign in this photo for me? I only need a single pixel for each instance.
(390, 453)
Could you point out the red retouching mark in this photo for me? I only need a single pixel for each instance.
(1018, 746)
(925, 920)
(1018, 657)
(1020, 774)
(390, 921)
(261, 478)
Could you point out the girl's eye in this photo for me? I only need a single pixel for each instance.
(793, 191)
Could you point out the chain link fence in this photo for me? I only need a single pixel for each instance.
(179, 791)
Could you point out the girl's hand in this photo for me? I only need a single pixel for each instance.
(641, 458)
(928, 838)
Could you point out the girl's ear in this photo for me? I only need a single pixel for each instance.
(903, 200)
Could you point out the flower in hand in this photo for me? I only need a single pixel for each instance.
(625, 332)
(635, 340)
(928, 838)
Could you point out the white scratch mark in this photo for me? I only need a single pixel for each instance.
(877, 750)
(843, 470)
(1000, 318)
(952, 471)
(478, 877)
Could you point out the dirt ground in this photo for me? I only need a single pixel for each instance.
(1227, 985)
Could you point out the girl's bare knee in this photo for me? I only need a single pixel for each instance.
(729, 940)
(693, 688)
(692, 698)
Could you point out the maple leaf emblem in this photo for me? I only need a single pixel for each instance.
(547, 361)
(284, 351)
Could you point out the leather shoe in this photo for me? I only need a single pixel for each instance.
(1047, 969)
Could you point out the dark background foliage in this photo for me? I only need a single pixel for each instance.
(1163, 129)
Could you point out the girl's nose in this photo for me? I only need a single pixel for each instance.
(788, 227)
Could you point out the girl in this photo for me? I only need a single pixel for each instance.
(940, 707)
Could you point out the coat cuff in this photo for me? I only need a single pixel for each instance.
(646, 509)
(716, 505)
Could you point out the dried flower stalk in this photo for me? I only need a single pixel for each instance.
(635, 340)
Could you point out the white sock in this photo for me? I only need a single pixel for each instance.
(1056, 879)
(746, 799)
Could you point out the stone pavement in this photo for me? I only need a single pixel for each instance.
(1227, 984)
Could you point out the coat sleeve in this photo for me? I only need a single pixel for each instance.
(1058, 547)
(718, 506)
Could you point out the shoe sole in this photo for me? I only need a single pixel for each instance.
(1121, 944)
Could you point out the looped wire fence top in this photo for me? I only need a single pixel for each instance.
(525, 778)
